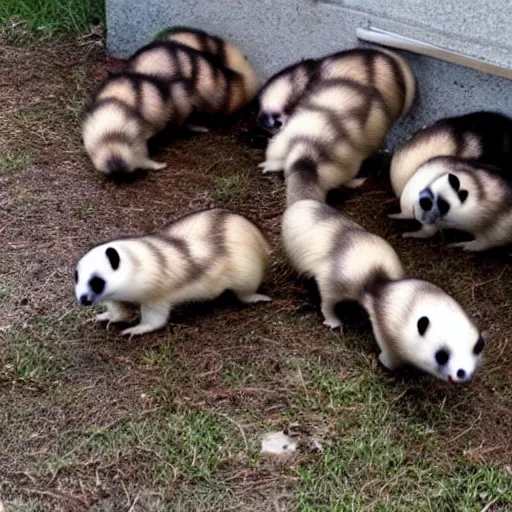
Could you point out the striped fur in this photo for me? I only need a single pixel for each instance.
(227, 53)
(217, 89)
(485, 137)
(127, 110)
(349, 263)
(342, 120)
(196, 258)
(281, 94)
(463, 195)
(384, 70)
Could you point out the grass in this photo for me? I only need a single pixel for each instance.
(174, 420)
(47, 17)
(11, 160)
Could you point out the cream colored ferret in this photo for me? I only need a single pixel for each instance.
(196, 258)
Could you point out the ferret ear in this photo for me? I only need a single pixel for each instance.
(463, 195)
(454, 182)
(423, 324)
(113, 257)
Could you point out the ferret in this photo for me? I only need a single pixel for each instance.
(282, 92)
(414, 322)
(481, 136)
(218, 89)
(227, 53)
(196, 258)
(343, 120)
(382, 69)
(124, 113)
(463, 195)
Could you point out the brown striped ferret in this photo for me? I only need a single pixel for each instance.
(196, 258)
(414, 321)
(483, 137)
(124, 113)
(343, 119)
(227, 53)
(283, 92)
(218, 89)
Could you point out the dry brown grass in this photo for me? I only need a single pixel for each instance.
(91, 421)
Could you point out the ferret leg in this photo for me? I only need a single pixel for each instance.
(473, 245)
(251, 298)
(426, 231)
(197, 128)
(355, 183)
(330, 318)
(152, 165)
(116, 312)
(275, 154)
(153, 315)
(388, 360)
(400, 216)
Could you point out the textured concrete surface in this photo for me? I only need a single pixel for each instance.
(275, 33)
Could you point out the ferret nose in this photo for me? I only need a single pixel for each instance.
(426, 202)
(266, 121)
(84, 300)
(461, 374)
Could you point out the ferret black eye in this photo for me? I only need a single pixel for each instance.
(443, 206)
(442, 357)
(76, 276)
(97, 284)
(454, 182)
(479, 346)
(463, 195)
(423, 324)
(113, 257)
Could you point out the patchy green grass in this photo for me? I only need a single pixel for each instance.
(231, 189)
(50, 16)
(12, 160)
(91, 421)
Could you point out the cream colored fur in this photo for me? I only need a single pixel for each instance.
(196, 258)
(349, 263)
(311, 231)
(212, 82)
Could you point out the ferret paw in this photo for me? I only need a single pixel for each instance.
(334, 323)
(270, 166)
(255, 297)
(197, 129)
(138, 330)
(471, 246)
(400, 216)
(154, 166)
(418, 234)
(355, 183)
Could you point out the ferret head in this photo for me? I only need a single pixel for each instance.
(445, 200)
(276, 101)
(116, 159)
(281, 94)
(100, 274)
(113, 139)
(433, 332)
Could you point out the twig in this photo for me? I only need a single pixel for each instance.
(239, 428)
(303, 383)
(489, 505)
(489, 281)
(457, 437)
(136, 499)
(56, 496)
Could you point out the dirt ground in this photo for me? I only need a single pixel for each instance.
(173, 420)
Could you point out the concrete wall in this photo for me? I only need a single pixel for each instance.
(275, 33)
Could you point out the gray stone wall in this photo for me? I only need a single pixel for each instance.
(275, 33)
